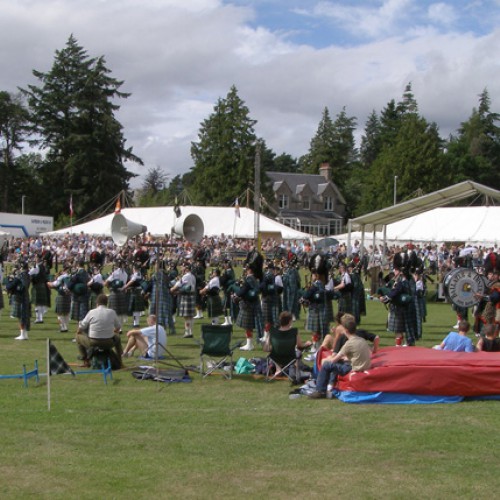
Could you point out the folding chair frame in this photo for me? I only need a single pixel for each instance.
(222, 357)
(281, 368)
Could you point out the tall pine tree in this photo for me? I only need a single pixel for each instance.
(224, 155)
(475, 152)
(73, 116)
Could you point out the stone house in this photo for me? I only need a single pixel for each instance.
(311, 203)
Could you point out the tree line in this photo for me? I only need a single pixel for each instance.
(76, 148)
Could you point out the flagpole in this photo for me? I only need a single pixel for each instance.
(48, 374)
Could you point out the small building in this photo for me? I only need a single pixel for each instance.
(311, 203)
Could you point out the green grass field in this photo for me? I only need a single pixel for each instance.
(230, 439)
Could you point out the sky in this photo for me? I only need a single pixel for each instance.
(289, 59)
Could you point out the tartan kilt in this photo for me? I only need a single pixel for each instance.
(345, 303)
(118, 302)
(187, 305)
(271, 309)
(234, 310)
(93, 300)
(214, 306)
(135, 301)
(165, 303)
(250, 316)
(40, 294)
(79, 307)
(329, 314)
(400, 319)
(63, 304)
(316, 319)
(21, 308)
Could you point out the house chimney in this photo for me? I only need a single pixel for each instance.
(325, 170)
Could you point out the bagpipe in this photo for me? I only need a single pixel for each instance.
(255, 261)
(14, 285)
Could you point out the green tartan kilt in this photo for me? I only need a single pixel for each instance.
(63, 304)
(186, 305)
(21, 307)
(40, 294)
(118, 302)
(271, 309)
(250, 316)
(316, 319)
(214, 306)
(345, 303)
(135, 301)
(79, 308)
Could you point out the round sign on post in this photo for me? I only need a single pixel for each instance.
(464, 286)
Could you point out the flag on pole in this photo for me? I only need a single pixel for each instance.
(118, 206)
(57, 365)
(237, 208)
(71, 212)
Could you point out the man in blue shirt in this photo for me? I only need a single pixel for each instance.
(458, 341)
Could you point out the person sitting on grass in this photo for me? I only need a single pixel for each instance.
(355, 355)
(144, 339)
(336, 340)
(489, 341)
(457, 341)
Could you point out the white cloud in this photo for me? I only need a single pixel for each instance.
(178, 57)
(366, 21)
(442, 13)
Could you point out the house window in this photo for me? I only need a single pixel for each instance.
(306, 203)
(328, 206)
(283, 201)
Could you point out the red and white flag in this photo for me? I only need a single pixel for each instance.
(71, 212)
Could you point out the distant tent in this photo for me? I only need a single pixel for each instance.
(217, 220)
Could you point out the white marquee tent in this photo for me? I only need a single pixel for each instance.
(423, 219)
(474, 225)
(216, 220)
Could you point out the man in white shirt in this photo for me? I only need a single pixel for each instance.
(99, 328)
(144, 339)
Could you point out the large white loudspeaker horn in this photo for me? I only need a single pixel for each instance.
(189, 227)
(122, 229)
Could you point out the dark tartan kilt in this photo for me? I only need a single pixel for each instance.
(345, 303)
(250, 316)
(271, 309)
(401, 319)
(79, 307)
(214, 306)
(135, 301)
(186, 305)
(40, 295)
(226, 303)
(63, 304)
(329, 314)
(93, 299)
(21, 308)
(234, 309)
(316, 319)
(118, 301)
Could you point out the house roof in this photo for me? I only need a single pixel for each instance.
(317, 182)
(376, 220)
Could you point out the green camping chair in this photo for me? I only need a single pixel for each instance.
(283, 354)
(216, 353)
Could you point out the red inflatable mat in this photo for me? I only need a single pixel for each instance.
(419, 370)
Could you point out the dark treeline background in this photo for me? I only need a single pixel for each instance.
(77, 148)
